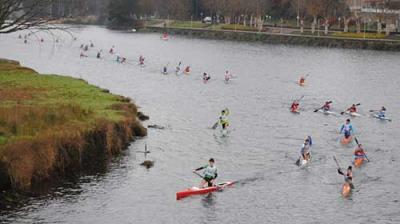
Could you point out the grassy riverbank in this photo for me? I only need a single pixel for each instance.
(51, 126)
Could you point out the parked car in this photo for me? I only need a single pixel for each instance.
(207, 20)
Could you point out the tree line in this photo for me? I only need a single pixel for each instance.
(125, 12)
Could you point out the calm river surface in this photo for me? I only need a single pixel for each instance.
(261, 148)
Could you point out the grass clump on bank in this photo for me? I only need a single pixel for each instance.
(51, 125)
(188, 24)
(238, 27)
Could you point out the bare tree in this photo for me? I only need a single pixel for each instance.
(22, 14)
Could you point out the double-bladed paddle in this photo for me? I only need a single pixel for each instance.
(358, 104)
(359, 146)
(337, 164)
(316, 110)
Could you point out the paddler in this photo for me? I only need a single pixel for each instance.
(352, 109)
(305, 148)
(210, 173)
(348, 177)
(206, 77)
(111, 51)
(359, 152)
(187, 70)
(302, 80)
(228, 76)
(98, 54)
(123, 60)
(141, 60)
(382, 112)
(223, 119)
(82, 55)
(295, 106)
(347, 129)
(165, 70)
(178, 68)
(327, 106)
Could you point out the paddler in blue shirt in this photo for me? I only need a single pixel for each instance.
(347, 129)
(210, 173)
(382, 112)
(305, 148)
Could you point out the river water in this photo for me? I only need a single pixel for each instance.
(260, 149)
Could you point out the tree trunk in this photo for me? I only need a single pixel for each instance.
(314, 23)
(379, 27)
(326, 27)
(358, 26)
(302, 26)
(227, 20)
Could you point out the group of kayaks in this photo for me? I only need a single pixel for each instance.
(359, 159)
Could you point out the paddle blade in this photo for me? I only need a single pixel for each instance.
(215, 125)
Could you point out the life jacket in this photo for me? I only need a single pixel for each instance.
(326, 107)
(305, 149)
(210, 172)
(294, 106)
(353, 109)
(359, 152)
(223, 119)
(349, 175)
(302, 80)
(347, 127)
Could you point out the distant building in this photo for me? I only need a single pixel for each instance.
(387, 12)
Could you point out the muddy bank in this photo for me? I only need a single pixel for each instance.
(52, 127)
(271, 38)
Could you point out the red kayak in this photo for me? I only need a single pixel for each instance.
(197, 191)
(346, 141)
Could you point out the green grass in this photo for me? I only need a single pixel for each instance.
(188, 24)
(2, 140)
(359, 35)
(32, 104)
(238, 27)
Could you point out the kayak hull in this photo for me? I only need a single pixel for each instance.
(346, 190)
(382, 118)
(353, 114)
(303, 162)
(199, 191)
(358, 162)
(327, 112)
(295, 111)
(346, 141)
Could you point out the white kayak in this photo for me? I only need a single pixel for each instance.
(381, 118)
(301, 162)
(353, 114)
(328, 112)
